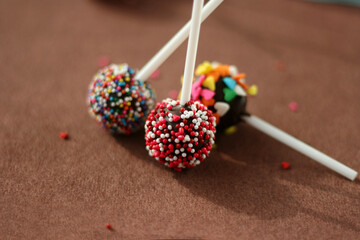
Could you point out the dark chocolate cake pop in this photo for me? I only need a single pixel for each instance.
(223, 90)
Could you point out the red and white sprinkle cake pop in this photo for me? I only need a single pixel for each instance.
(180, 134)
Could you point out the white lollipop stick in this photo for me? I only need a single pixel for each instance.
(155, 62)
(300, 146)
(191, 51)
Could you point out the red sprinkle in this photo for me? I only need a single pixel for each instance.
(103, 61)
(173, 94)
(293, 106)
(108, 226)
(280, 65)
(155, 74)
(176, 118)
(285, 165)
(64, 135)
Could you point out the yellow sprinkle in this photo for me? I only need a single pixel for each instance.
(230, 130)
(129, 103)
(179, 96)
(121, 105)
(109, 90)
(253, 90)
(209, 82)
(203, 68)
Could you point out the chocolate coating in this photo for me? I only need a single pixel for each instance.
(237, 107)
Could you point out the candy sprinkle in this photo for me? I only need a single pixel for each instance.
(280, 66)
(285, 165)
(155, 74)
(64, 135)
(108, 226)
(103, 61)
(253, 90)
(173, 94)
(293, 106)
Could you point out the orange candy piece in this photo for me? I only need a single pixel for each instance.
(208, 103)
(223, 70)
(239, 76)
(243, 85)
(214, 74)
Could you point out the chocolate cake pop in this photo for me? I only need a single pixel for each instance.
(223, 90)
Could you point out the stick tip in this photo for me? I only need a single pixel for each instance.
(353, 176)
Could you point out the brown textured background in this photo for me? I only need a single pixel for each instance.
(56, 189)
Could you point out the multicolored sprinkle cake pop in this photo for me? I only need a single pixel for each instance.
(180, 134)
(120, 100)
(223, 90)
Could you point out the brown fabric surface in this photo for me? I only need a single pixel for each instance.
(56, 189)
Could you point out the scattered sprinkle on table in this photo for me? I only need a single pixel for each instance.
(64, 135)
(293, 106)
(103, 61)
(173, 94)
(280, 66)
(108, 226)
(155, 74)
(285, 165)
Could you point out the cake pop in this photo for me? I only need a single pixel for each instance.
(180, 134)
(224, 90)
(120, 99)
